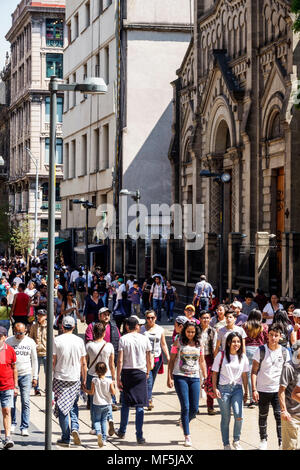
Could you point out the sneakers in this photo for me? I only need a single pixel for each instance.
(120, 435)
(211, 411)
(13, 428)
(7, 443)
(228, 447)
(263, 445)
(150, 406)
(62, 443)
(237, 445)
(111, 428)
(100, 441)
(141, 440)
(251, 405)
(37, 393)
(104, 443)
(76, 437)
(187, 441)
(92, 432)
(24, 432)
(114, 407)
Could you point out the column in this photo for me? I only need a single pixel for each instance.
(234, 242)
(285, 266)
(212, 258)
(262, 261)
(295, 265)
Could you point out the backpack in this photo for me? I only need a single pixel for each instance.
(262, 353)
(80, 286)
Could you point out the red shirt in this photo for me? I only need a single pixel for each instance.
(7, 359)
(21, 305)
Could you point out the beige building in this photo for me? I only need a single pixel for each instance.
(120, 140)
(37, 37)
(233, 112)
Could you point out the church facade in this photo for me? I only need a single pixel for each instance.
(234, 112)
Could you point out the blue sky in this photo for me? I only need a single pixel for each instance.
(6, 9)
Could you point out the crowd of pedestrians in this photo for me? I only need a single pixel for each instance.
(244, 353)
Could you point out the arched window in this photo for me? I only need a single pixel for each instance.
(275, 127)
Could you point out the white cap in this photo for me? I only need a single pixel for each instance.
(141, 321)
(68, 322)
(296, 312)
(237, 304)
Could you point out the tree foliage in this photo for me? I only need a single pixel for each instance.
(20, 237)
(296, 11)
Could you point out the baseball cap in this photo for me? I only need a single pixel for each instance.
(181, 320)
(104, 309)
(68, 322)
(3, 331)
(190, 306)
(120, 279)
(237, 304)
(42, 311)
(296, 312)
(134, 320)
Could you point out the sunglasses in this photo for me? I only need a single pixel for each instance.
(150, 318)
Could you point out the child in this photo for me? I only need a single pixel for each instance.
(134, 295)
(102, 389)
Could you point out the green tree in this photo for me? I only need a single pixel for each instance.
(20, 237)
(296, 11)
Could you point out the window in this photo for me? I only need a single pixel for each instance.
(84, 154)
(70, 204)
(76, 26)
(57, 225)
(66, 161)
(104, 4)
(87, 14)
(105, 147)
(44, 225)
(59, 109)
(54, 64)
(97, 65)
(106, 64)
(55, 32)
(96, 150)
(59, 151)
(69, 26)
(73, 156)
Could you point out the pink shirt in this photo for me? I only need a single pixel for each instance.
(89, 333)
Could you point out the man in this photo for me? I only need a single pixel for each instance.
(43, 300)
(156, 293)
(230, 316)
(38, 332)
(27, 366)
(240, 317)
(134, 295)
(133, 367)
(8, 384)
(248, 305)
(268, 362)
(21, 305)
(73, 277)
(81, 290)
(3, 288)
(290, 409)
(69, 367)
(202, 294)
(18, 279)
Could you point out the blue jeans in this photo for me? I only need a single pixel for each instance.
(152, 377)
(204, 303)
(250, 351)
(104, 299)
(24, 382)
(100, 419)
(139, 420)
(41, 360)
(65, 424)
(89, 379)
(157, 308)
(170, 309)
(188, 391)
(232, 397)
(5, 324)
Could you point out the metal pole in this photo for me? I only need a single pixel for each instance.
(221, 246)
(35, 208)
(138, 235)
(53, 87)
(87, 243)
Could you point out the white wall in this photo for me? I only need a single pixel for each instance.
(159, 11)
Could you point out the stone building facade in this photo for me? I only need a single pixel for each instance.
(233, 112)
(37, 37)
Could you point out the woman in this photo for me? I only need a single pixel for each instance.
(70, 307)
(183, 372)
(34, 302)
(11, 293)
(146, 293)
(157, 339)
(170, 296)
(219, 321)
(233, 367)
(257, 335)
(208, 341)
(100, 351)
(296, 319)
(271, 308)
(288, 336)
(5, 314)
(93, 303)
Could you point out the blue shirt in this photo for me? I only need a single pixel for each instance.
(203, 289)
(134, 295)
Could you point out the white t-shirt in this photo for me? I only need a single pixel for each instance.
(155, 338)
(69, 349)
(11, 294)
(134, 347)
(231, 372)
(224, 332)
(268, 377)
(92, 349)
(269, 310)
(30, 292)
(74, 276)
(120, 290)
(187, 361)
(25, 349)
(102, 395)
(17, 280)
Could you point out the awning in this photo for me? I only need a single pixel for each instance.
(91, 249)
(44, 242)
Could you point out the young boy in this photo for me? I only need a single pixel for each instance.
(134, 295)
(230, 327)
(267, 367)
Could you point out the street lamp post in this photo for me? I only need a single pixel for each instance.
(136, 196)
(221, 179)
(90, 85)
(35, 161)
(87, 205)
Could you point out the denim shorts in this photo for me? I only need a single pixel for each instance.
(7, 399)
